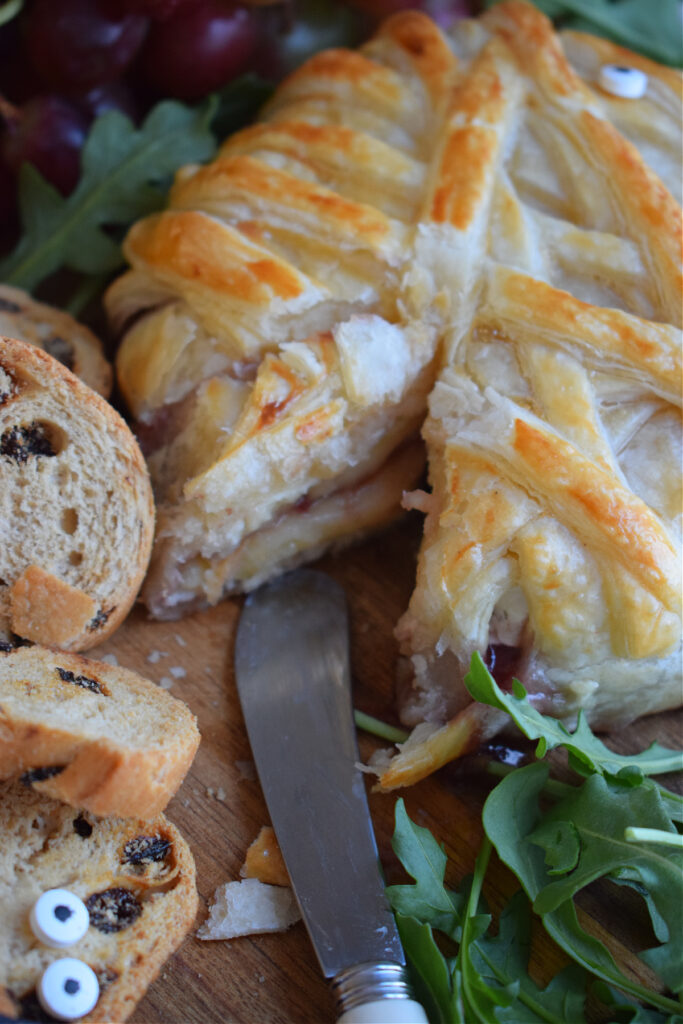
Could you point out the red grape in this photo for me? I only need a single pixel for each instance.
(48, 132)
(158, 10)
(76, 45)
(112, 96)
(294, 32)
(199, 48)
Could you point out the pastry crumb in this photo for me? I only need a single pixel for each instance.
(247, 908)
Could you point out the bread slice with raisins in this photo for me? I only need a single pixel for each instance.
(57, 333)
(94, 735)
(76, 505)
(136, 878)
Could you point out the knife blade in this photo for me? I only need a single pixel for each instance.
(293, 679)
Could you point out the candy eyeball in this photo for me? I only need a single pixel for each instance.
(68, 989)
(59, 918)
(619, 80)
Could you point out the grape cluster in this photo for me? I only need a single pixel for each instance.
(65, 62)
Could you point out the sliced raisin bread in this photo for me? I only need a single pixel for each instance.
(136, 878)
(75, 505)
(58, 334)
(94, 735)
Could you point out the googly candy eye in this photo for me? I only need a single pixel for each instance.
(59, 918)
(629, 83)
(68, 989)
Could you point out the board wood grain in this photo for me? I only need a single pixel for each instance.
(274, 979)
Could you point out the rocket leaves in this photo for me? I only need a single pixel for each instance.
(580, 839)
(125, 173)
(629, 23)
(486, 980)
(587, 753)
(615, 824)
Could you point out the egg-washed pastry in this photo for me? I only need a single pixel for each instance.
(552, 531)
(278, 380)
(468, 206)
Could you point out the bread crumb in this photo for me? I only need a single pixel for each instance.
(249, 908)
(110, 659)
(181, 641)
(165, 683)
(154, 656)
(216, 794)
(177, 671)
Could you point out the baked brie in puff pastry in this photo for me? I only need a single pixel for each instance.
(552, 532)
(469, 218)
(278, 380)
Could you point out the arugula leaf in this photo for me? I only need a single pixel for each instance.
(429, 971)
(631, 23)
(513, 823)
(587, 752)
(125, 174)
(506, 956)
(487, 981)
(628, 1012)
(496, 984)
(425, 861)
(598, 815)
(9, 9)
(239, 102)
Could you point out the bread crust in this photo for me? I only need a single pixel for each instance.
(120, 745)
(88, 856)
(57, 333)
(76, 497)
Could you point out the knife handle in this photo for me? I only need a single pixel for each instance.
(376, 993)
(385, 1011)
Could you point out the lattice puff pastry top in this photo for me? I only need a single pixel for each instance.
(282, 318)
(552, 537)
(268, 358)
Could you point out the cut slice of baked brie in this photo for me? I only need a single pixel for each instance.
(552, 536)
(277, 377)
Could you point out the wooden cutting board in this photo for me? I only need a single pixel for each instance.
(271, 979)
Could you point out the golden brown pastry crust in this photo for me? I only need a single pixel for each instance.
(302, 225)
(485, 189)
(549, 529)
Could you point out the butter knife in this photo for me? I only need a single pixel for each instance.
(293, 680)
